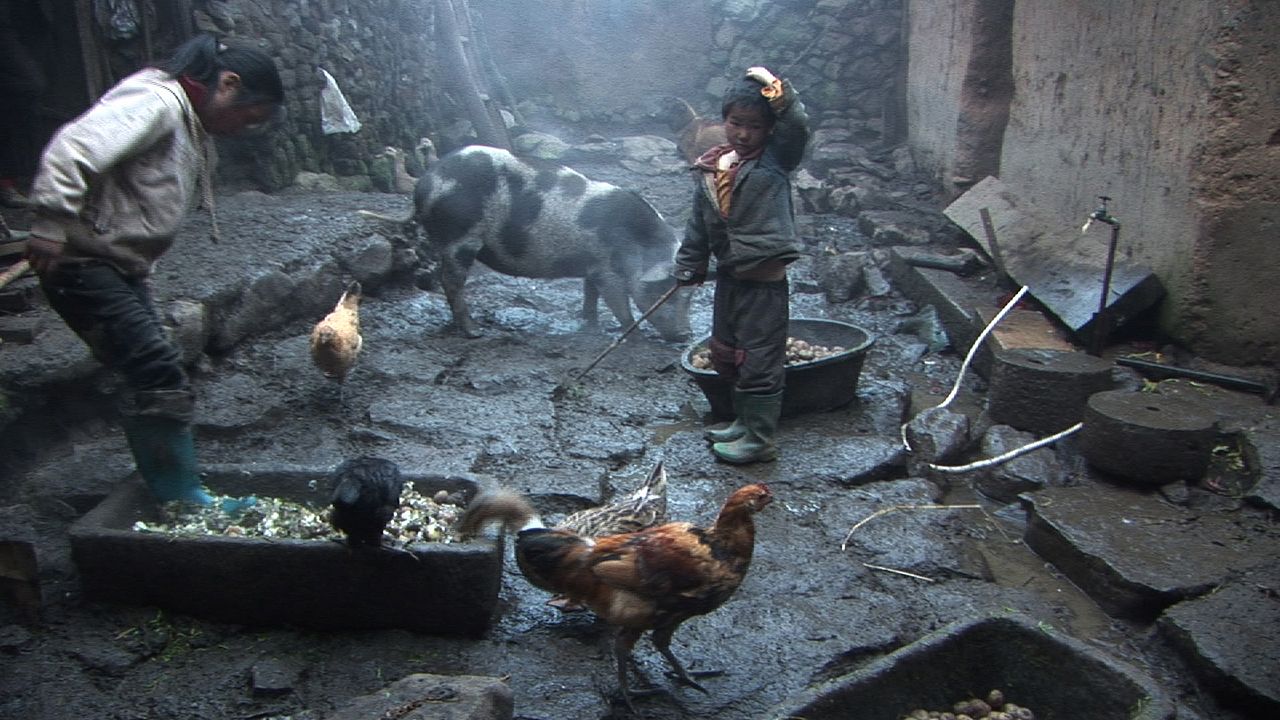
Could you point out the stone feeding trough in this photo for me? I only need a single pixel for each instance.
(431, 587)
(1038, 668)
(813, 386)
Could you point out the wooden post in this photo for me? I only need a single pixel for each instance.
(463, 77)
(989, 229)
(94, 78)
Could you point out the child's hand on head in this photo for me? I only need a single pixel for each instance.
(761, 75)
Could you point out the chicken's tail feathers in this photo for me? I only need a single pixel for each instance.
(508, 507)
(652, 493)
(656, 483)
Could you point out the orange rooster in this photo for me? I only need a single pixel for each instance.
(653, 579)
(335, 340)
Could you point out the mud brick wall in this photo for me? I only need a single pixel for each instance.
(1168, 108)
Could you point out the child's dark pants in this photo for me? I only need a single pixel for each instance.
(749, 333)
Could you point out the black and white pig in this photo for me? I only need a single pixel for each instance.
(541, 220)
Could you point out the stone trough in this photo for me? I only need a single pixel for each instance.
(439, 588)
(1057, 677)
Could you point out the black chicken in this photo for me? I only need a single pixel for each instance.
(366, 493)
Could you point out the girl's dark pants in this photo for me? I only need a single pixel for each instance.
(116, 318)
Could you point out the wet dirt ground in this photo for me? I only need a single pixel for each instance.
(436, 402)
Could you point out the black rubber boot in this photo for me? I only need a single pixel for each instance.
(759, 414)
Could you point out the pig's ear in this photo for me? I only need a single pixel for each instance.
(657, 272)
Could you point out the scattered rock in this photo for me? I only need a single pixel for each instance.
(271, 676)
(540, 145)
(937, 434)
(460, 697)
(841, 276)
(1025, 473)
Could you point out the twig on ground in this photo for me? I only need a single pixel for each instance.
(897, 572)
(893, 508)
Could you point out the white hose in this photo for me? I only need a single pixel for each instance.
(1004, 457)
(973, 350)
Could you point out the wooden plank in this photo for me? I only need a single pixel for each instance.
(1061, 267)
(1024, 329)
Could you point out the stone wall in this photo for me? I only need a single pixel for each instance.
(379, 53)
(616, 60)
(608, 64)
(1168, 108)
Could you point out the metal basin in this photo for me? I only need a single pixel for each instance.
(315, 583)
(813, 386)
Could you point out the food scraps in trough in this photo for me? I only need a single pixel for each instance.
(419, 519)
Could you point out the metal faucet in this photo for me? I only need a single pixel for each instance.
(1101, 215)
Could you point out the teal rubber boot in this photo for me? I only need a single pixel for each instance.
(730, 432)
(759, 414)
(165, 452)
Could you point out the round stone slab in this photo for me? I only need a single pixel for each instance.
(1043, 391)
(1147, 438)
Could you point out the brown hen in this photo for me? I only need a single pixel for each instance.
(335, 340)
(642, 508)
(654, 579)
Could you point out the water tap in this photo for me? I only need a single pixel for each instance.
(1101, 215)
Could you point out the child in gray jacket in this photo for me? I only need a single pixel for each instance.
(743, 216)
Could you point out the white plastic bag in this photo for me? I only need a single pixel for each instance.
(336, 115)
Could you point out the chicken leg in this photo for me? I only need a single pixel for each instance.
(622, 646)
(662, 640)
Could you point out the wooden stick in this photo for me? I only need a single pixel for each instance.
(989, 228)
(15, 271)
(627, 332)
(898, 572)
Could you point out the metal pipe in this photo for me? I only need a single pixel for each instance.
(1102, 319)
(1170, 371)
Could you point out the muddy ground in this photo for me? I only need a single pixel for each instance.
(436, 402)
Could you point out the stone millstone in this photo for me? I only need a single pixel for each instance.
(1043, 391)
(1146, 438)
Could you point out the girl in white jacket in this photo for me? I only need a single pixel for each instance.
(109, 195)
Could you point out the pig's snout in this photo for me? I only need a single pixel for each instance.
(671, 320)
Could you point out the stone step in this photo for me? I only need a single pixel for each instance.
(967, 304)
(1238, 667)
(1136, 554)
